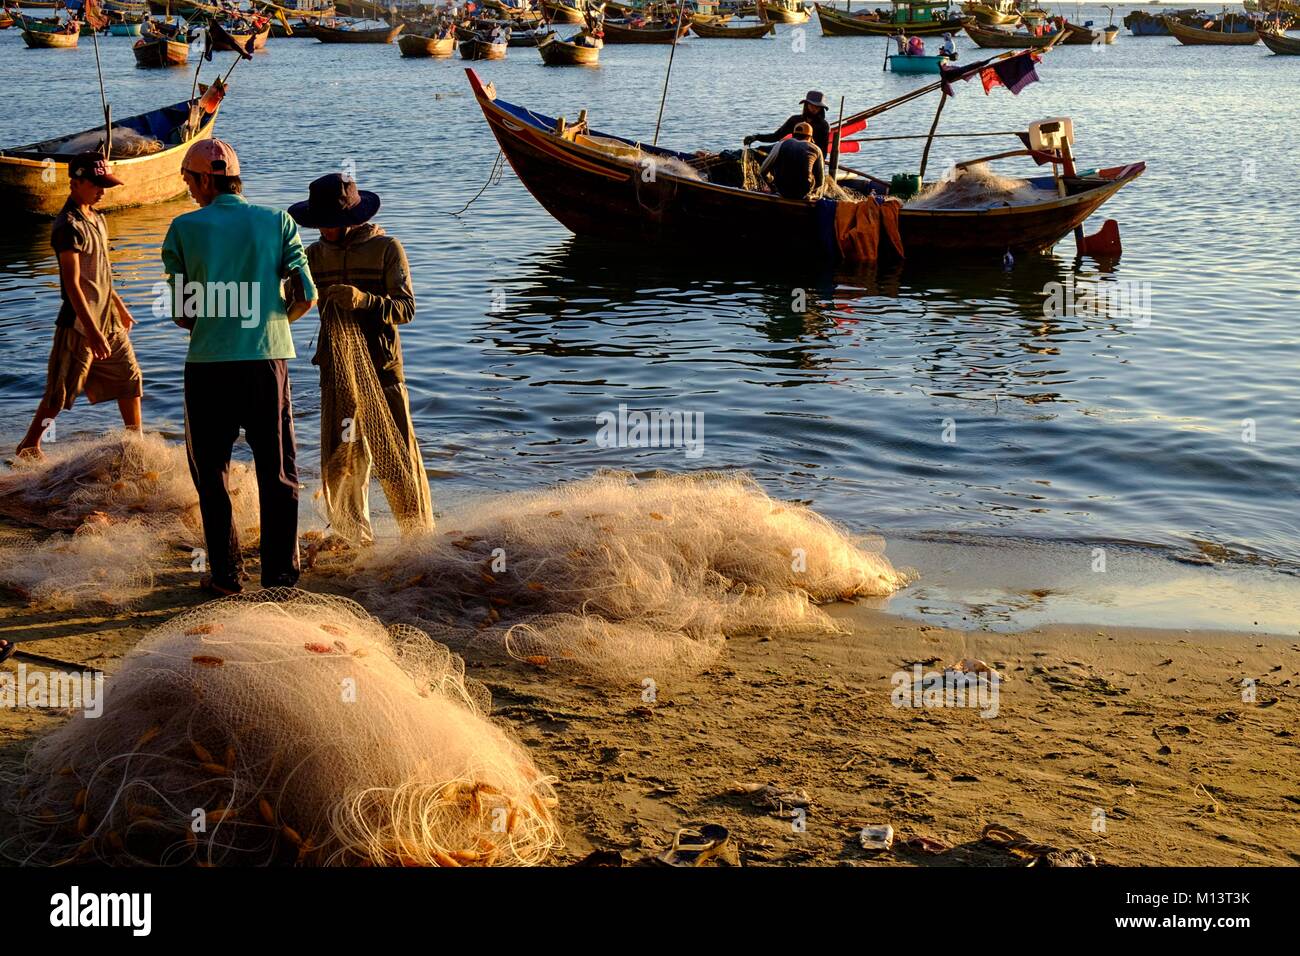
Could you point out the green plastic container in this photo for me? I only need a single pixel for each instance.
(904, 185)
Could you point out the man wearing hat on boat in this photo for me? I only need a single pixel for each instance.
(366, 424)
(795, 165)
(814, 114)
(92, 349)
(227, 263)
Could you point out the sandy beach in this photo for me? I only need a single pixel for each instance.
(1133, 745)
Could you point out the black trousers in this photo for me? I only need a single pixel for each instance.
(221, 398)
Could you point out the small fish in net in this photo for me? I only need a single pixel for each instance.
(620, 577)
(284, 728)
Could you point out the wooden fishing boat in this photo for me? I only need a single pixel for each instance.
(45, 40)
(711, 31)
(526, 36)
(335, 35)
(482, 48)
(1083, 35)
(418, 45)
(127, 28)
(917, 20)
(557, 52)
(1006, 40)
(34, 178)
(591, 182)
(989, 15)
(557, 12)
(242, 36)
(6, 21)
(1280, 43)
(159, 51)
(786, 11)
(621, 33)
(1195, 36)
(506, 11)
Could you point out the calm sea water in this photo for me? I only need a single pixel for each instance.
(1075, 429)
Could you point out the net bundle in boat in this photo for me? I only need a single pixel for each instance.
(284, 728)
(624, 578)
(122, 500)
(360, 439)
(978, 187)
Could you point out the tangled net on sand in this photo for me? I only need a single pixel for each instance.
(294, 728)
(978, 187)
(624, 578)
(127, 497)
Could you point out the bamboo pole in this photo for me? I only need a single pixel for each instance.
(929, 140)
(681, 6)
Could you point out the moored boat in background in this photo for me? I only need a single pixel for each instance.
(384, 34)
(557, 52)
(907, 17)
(34, 178)
(419, 45)
(991, 39)
(1280, 43)
(1199, 36)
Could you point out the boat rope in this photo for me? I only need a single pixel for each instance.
(494, 177)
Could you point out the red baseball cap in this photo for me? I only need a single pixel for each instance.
(213, 156)
(92, 166)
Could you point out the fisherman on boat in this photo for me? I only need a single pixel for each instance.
(367, 283)
(228, 261)
(795, 165)
(92, 349)
(814, 114)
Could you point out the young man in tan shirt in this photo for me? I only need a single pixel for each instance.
(92, 347)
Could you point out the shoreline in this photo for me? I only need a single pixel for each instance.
(1142, 728)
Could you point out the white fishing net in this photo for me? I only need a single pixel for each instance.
(623, 578)
(978, 187)
(284, 728)
(126, 143)
(360, 439)
(127, 497)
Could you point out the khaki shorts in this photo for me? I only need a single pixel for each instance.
(74, 370)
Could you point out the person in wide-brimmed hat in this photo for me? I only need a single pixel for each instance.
(367, 290)
(814, 114)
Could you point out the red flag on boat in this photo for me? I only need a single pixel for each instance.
(90, 10)
(212, 97)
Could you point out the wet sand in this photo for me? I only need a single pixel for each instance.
(1145, 731)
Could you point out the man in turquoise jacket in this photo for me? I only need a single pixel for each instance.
(238, 276)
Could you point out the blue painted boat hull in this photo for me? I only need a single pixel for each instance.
(916, 64)
(125, 29)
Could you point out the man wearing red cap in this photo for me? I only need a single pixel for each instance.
(228, 263)
(92, 350)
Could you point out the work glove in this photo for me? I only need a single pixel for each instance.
(347, 298)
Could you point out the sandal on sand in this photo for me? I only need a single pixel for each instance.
(692, 847)
(7, 649)
(218, 588)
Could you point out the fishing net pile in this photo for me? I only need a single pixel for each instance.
(121, 501)
(284, 728)
(978, 187)
(623, 578)
(360, 438)
(126, 143)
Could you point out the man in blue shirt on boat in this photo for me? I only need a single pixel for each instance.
(226, 263)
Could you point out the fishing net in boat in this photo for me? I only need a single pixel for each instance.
(623, 578)
(361, 438)
(128, 497)
(126, 143)
(280, 728)
(752, 160)
(978, 187)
